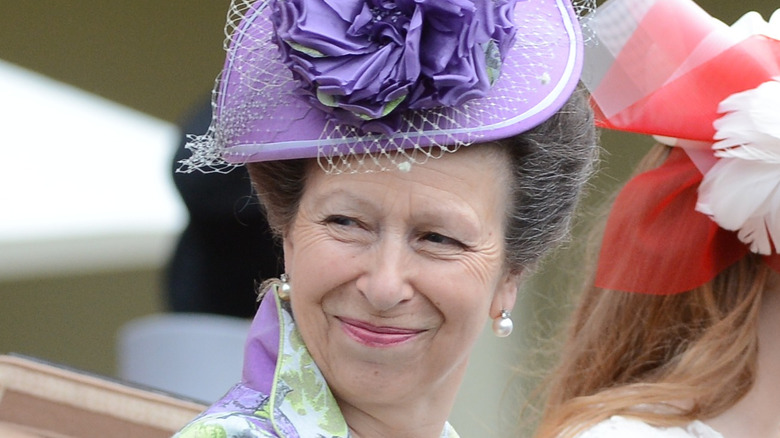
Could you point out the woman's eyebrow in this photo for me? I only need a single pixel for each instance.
(343, 197)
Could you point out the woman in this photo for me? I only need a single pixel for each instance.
(677, 335)
(353, 120)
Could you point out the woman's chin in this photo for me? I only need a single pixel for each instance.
(378, 384)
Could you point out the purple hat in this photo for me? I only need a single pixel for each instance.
(368, 78)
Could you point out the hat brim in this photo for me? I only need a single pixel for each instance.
(260, 116)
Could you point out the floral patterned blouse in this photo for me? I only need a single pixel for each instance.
(282, 393)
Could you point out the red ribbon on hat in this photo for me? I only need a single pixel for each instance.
(656, 242)
(668, 78)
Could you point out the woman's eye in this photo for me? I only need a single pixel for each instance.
(347, 229)
(440, 239)
(341, 220)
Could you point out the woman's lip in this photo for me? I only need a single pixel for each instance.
(376, 336)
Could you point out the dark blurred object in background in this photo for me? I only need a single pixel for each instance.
(227, 244)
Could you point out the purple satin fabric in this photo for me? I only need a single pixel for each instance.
(262, 346)
(365, 56)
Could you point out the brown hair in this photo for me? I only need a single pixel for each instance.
(666, 360)
(549, 163)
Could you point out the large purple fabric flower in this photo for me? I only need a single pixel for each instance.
(366, 61)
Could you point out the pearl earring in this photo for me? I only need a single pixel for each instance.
(502, 326)
(284, 288)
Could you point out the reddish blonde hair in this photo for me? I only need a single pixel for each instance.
(687, 356)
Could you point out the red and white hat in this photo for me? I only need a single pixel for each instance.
(667, 68)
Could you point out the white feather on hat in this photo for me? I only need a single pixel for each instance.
(742, 191)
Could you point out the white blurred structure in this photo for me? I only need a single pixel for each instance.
(199, 356)
(85, 182)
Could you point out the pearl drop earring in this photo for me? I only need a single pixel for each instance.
(284, 288)
(502, 326)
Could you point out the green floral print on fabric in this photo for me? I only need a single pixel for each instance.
(311, 397)
(222, 426)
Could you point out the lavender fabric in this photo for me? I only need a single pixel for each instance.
(262, 347)
(363, 60)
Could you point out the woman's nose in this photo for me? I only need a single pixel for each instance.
(385, 281)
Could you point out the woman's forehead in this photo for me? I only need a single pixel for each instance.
(470, 168)
(472, 183)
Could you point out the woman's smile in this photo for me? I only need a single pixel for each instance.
(377, 336)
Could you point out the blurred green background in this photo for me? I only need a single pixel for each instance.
(161, 57)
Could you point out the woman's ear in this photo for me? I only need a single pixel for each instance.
(506, 294)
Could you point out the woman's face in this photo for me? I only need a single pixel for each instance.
(394, 274)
